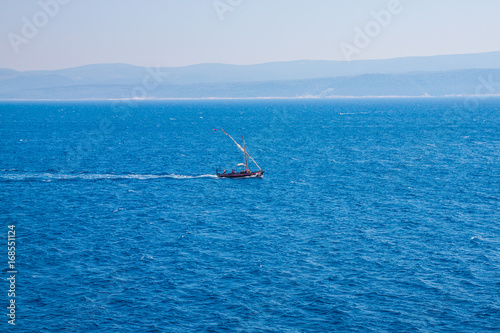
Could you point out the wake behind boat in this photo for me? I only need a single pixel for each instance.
(247, 173)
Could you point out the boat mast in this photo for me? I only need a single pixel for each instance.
(241, 148)
(245, 152)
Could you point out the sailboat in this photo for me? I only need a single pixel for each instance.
(247, 173)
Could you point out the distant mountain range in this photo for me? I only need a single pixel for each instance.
(469, 74)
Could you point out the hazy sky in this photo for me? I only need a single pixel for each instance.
(185, 32)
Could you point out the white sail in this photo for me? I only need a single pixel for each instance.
(241, 148)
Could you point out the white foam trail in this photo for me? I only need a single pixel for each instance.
(58, 176)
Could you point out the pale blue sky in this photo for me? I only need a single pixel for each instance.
(185, 32)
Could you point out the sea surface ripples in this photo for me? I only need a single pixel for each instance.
(373, 215)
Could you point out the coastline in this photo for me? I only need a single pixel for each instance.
(242, 98)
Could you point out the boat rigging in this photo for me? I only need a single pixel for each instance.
(247, 173)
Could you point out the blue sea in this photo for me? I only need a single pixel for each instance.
(374, 215)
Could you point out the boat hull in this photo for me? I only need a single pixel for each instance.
(257, 174)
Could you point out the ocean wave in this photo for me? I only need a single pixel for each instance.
(57, 176)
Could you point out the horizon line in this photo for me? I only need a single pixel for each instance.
(253, 64)
(235, 98)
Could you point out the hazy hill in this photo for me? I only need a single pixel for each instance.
(461, 82)
(415, 76)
